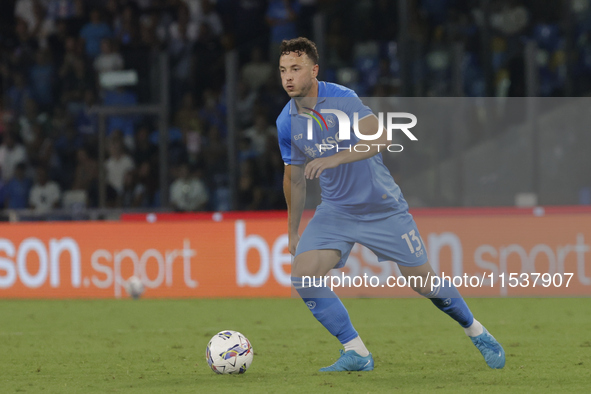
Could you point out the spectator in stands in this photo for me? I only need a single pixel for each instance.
(73, 73)
(245, 150)
(210, 18)
(339, 48)
(72, 55)
(183, 29)
(2, 192)
(25, 10)
(42, 79)
(45, 194)
(16, 191)
(281, 18)
(246, 21)
(212, 111)
(188, 121)
(112, 12)
(177, 150)
(28, 120)
(435, 12)
(94, 32)
(121, 97)
(182, 36)
(77, 22)
(188, 192)
(44, 26)
(109, 59)
(272, 98)
(305, 20)
(147, 176)
(126, 27)
(257, 71)
(60, 9)
(144, 149)
(209, 60)
(148, 32)
(66, 147)
(250, 194)
(215, 153)
(185, 116)
(86, 176)
(40, 148)
(56, 42)
(193, 141)
(18, 94)
(271, 168)
(23, 53)
(133, 192)
(12, 154)
(5, 117)
(59, 121)
(87, 123)
(259, 133)
(509, 18)
(245, 105)
(161, 19)
(117, 165)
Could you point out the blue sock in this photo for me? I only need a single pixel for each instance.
(326, 307)
(448, 299)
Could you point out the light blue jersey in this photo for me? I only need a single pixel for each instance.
(358, 188)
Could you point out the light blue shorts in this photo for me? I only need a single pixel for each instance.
(392, 238)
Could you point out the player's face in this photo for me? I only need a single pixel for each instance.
(298, 73)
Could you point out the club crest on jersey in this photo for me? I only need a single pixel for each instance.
(330, 120)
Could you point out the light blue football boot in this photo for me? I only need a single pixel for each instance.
(350, 361)
(491, 349)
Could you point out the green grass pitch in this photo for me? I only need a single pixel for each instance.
(158, 346)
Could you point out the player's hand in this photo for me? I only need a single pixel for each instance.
(316, 167)
(293, 243)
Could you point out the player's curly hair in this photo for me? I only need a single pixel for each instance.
(300, 45)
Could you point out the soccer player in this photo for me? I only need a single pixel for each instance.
(360, 203)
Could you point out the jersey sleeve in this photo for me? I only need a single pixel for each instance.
(290, 153)
(353, 104)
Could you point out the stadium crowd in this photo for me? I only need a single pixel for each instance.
(53, 51)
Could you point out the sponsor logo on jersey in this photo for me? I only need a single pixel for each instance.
(308, 150)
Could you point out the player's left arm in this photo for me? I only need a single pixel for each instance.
(367, 126)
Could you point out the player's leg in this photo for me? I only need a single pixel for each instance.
(445, 296)
(396, 238)
(308, 271)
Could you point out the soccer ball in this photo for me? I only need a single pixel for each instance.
(229, 352)
(134, 287)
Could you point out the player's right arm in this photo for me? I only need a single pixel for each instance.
(294, 188)
(294, 183)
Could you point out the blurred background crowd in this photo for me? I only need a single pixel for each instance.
(53, 54)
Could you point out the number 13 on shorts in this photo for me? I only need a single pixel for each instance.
(415, 244)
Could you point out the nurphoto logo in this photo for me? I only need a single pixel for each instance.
(344, 133)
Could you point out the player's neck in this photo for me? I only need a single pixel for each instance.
(309, 100)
